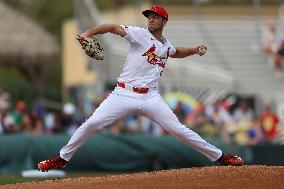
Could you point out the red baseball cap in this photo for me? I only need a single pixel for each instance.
(158, 10)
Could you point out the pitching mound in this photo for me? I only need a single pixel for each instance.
(205, 177)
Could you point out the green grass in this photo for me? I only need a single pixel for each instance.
(12, 179)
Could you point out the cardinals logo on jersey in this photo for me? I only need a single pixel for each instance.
(154, 59)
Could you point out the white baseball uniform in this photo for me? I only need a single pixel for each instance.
(137, 93)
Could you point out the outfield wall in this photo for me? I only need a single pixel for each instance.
(104, 153)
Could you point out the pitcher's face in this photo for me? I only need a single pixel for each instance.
(155, 23)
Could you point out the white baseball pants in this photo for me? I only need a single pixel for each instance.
(122, 102)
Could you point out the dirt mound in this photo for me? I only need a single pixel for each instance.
(204, 177)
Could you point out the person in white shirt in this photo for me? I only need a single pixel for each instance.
(243, 113)
(136, 90)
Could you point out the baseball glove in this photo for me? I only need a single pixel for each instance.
(91, 47)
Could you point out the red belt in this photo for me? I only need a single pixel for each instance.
(140, 90)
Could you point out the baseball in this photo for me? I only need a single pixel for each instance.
(202, 49)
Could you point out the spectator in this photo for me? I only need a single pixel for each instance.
(196, 117)
(269, 124)
(49, 120)
(56, 126)
(217, 113)
(19, 113)
(243, 113)
(6, 120)
(68, 116)
(278, 59)
(198, 121)
(26, 124)
(37, 126)
(270, 39)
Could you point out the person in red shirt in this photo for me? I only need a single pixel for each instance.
(269, 122)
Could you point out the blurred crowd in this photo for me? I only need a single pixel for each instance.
(273, 46)
(231, 118)
(235, 121)
(37, 120)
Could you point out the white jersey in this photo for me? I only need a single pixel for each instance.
(146, 58)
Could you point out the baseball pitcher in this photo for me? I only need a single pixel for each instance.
(136, 90)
